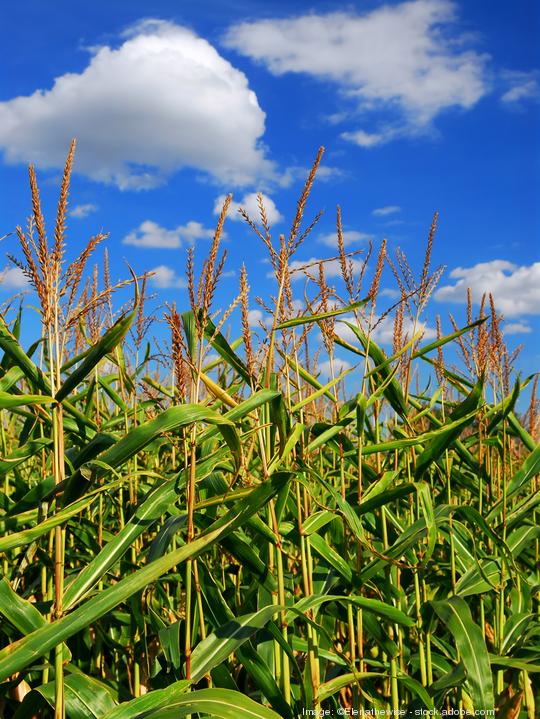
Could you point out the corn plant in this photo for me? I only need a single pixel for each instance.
(218, 529)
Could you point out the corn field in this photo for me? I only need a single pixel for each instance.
(216, 528)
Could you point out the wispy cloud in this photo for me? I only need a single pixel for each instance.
(338, 365)
(296, 173)
(406, 58)
(371, 139)
(250, 204)
(163, 100)
(82, 211)
(516, 328)
(150, 234)
(165, 277)
(256, 318)
(384, 330)
(332, 268)
(387, 210)
(350, 237)
(13, 278)
(522, 86)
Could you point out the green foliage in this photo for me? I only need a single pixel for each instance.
(242, 538)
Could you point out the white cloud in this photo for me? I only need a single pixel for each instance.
(250, 205)
(13, 278)
(297, 173)
(407, 57)
(384, 331)
(516, 328)
(387, 210)
(522, 86)
(350, 237)
(369, 139)
(390, 292)
(515, 289)
(340, 365)
(150, 234)
(82, 211)
(256, 318)
(165, 277)
(332, 268)
(163, 100)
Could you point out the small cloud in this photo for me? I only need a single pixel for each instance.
(339, 365)
(515, 289)
(516, 328)
(82, 211)
(390, 292)
(332, 268)
(350, 237)
(250, 204)
(256, 318)
(384, 330)
(297, 173)
(325, 173)
(164, 278)
(13, 278)
(522, 86)
(368, 139)
(387, 210)
(150, 234)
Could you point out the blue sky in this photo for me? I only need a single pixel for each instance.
(422, 106)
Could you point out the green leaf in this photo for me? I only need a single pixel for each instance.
(515, 629)
(306, 319)
(20, 612)
(24, 452)
(149, 511)
(305, 375)
(223, 348)
(112, 337)
(221, 643)
(13, 349)
(375, 606)
(393, 391)
(470, 643)
(447, 338)
(25, 536)
(85, 698)
(515, 663)
(462, 415)
(529, 469)
(137, 439)
(141, 707)
(7, 400)
(329, 688)
(218, 703)
(316, 521)
(321, 546)
(321, 391)
(424, 494)
(24, 652)
(218, 613)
